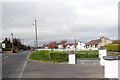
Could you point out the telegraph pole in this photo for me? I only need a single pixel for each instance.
(75, 44)
(36, 39)
(35, 23)
(12, 42)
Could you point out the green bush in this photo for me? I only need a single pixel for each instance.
(113, 47)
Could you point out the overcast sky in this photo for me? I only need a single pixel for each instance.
(60, 19)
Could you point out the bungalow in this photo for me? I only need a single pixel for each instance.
(78, 45)
(60, 46)
(116, 42)
(95, 44)
(81, 46)
(70, 46)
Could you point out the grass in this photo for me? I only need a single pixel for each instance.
(57, 56)
(39, 55)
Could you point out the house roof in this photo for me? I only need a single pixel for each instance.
(70, 44)
(116, 42)
(92, 42)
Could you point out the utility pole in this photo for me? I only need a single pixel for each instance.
(75, 44)
(36, 39)
(23, 41)
(12, 42)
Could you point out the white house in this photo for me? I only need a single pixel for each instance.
(81, 46)
(60, 46)
(70, 46)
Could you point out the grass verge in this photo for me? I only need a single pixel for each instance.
(56, 56)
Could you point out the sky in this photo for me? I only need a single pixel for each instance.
(57, 20)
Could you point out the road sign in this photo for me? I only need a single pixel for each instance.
(3, 45)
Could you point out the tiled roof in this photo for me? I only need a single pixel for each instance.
(70, 44)
(92, 42)
(116, 42)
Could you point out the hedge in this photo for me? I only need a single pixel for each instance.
(6, 49)
(113, 47)
(60, 56)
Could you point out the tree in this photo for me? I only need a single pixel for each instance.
(8, 44)
(17, 44)
(53, 45)
(63, 42)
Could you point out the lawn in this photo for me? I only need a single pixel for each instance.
(57, 56)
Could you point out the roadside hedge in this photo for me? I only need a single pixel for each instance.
(56, 56)
(87, 55)
(113, 47)
(6, 49)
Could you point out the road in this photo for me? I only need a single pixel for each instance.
(13, 65)
(35, 69)
(17, 66)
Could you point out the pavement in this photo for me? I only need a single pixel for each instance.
(36, 69)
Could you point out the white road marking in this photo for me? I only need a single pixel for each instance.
(12, 54)
(21, 73)
(5, 56)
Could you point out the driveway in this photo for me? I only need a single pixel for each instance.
(36, 69)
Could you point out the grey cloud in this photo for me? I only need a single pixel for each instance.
(60, 19)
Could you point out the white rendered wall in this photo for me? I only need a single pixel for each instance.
(111, 69)
(101, 54)
(119, 69)
(72, 59)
